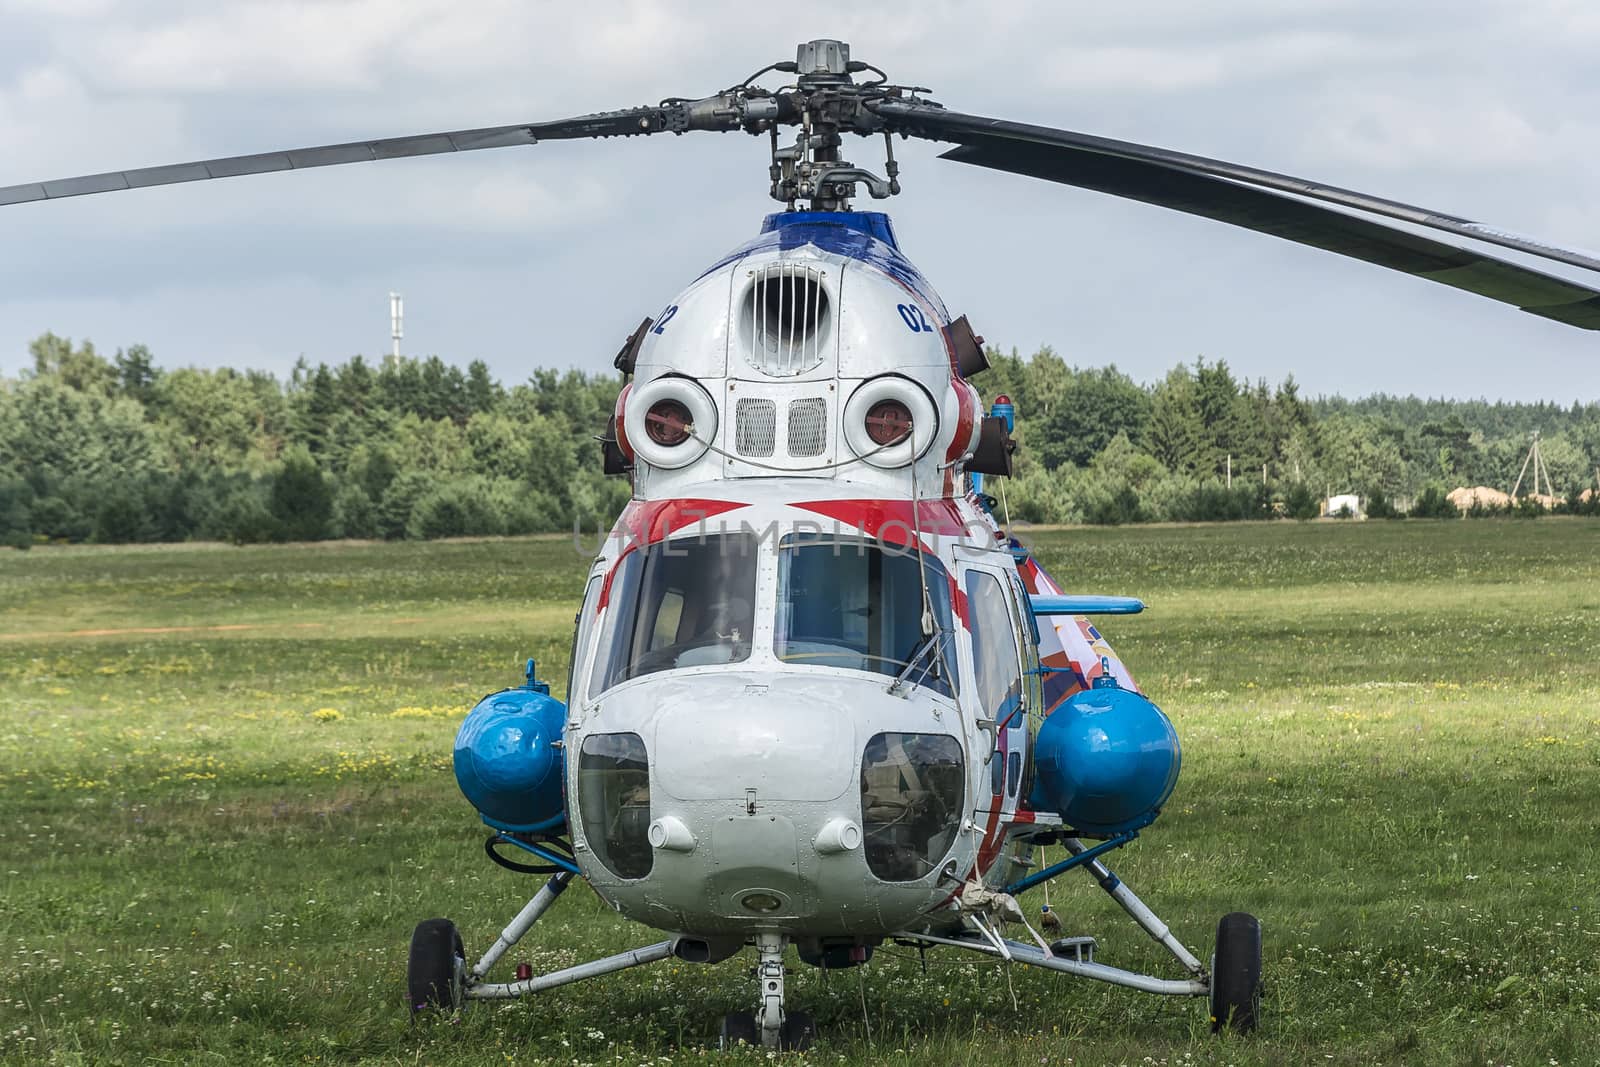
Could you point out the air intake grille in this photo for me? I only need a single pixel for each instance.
(786, 318)
(755, 427)
(808, 426)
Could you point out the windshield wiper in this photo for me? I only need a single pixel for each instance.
(933, 641)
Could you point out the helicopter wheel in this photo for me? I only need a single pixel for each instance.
(436, 967)
(738, 1028)
(1236, 974)
(799, 1031)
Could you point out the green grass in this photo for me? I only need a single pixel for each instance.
(1392, 756)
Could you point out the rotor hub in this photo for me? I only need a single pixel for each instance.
(824, 102)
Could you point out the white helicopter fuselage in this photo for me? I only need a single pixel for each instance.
(756, 742)
(802, 652)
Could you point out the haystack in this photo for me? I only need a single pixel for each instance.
(1481, 495)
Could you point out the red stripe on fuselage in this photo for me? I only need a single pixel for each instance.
(648, 521)
(966, 411)
(645, 522)
(893, 520)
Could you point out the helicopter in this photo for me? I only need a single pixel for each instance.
(819, 697)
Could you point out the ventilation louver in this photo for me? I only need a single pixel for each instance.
(786, 319)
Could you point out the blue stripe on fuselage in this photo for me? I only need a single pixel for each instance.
(851, 234)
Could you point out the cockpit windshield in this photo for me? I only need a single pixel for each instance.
(857, 604)
(683, 603)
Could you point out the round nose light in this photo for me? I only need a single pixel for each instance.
(838, 835)
(762, 902)
(888, 421)
(667, 423)
(670, 833)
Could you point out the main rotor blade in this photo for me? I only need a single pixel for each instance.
(632, 121)
(1242, 197)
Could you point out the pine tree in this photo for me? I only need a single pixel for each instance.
(1174, 434)
(301, 500)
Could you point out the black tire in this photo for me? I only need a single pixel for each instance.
(433, 972)
(799, 1031)
(1236, 974)
(738, 1028)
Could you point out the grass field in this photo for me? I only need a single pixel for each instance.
(224, 806)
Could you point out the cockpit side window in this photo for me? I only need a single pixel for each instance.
(688, 602)
(912, 791)
(857, 604)
(581, 635)
(995, 657)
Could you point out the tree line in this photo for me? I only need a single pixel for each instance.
(117, 449)
(120, 450)
(1201, 444)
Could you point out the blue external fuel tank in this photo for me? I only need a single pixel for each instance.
(1106, 760)
(509, 761)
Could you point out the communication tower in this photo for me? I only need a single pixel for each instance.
(397, 314)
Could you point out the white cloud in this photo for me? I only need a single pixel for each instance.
(249, 46)
(1180, 66)
(1399, 131)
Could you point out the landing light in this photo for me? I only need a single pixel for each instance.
(761, 902)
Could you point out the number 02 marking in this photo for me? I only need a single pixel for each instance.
(666, 317)
(914, 319)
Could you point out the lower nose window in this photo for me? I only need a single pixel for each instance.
(614, 798)
(912, 786)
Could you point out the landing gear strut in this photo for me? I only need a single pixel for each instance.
(769, 1016)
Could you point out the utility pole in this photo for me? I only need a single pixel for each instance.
(1230, 470)
(1535, 460)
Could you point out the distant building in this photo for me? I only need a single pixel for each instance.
(1344, 505)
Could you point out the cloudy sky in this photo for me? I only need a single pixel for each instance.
(548, 256)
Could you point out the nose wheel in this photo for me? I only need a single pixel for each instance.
(769, 1026)
(739, 1028)
(798, 1033)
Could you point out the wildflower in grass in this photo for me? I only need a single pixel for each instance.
(436, 711)
(327, 715)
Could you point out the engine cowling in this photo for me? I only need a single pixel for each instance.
(1106, 760)
(508, 759)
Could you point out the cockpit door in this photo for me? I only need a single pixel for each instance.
(1000, 682)
(1032, 679)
